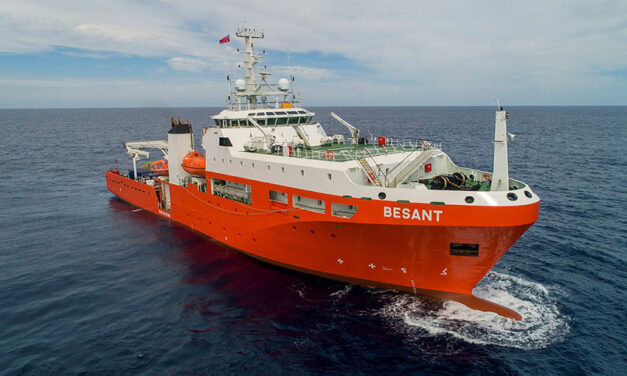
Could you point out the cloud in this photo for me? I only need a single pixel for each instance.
(457, 51)
(306, 73)
(188, 64)
(62, 92)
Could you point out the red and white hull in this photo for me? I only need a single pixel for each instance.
(369, 249)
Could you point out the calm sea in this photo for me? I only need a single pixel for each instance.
(92, 285)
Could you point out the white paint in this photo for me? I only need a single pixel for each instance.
(178, 147)
(500, 176)
(407, 213)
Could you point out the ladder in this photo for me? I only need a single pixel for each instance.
(372, 177)
(409, 168)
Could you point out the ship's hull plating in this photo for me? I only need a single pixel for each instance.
(368, 249)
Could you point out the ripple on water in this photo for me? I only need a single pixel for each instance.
(542, 323)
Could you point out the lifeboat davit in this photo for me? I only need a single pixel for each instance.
(194, 163)
(159, 167)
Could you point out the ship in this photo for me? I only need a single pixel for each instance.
(377, 211)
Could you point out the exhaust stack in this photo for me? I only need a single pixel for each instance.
(179, 144)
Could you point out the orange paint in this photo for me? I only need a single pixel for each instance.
(368, 249)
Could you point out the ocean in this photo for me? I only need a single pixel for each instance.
(91, 285)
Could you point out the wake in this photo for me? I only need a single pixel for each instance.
(541, 324)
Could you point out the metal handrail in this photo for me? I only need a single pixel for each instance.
(348, 154)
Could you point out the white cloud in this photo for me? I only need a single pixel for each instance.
(305, 73)
(188, 64)
(457, 51)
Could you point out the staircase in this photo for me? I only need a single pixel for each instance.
(372, 176)
(405, 171)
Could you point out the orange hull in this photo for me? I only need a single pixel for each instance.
(368, 249)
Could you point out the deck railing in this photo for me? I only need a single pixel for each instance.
(343, 153)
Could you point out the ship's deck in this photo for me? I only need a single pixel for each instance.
(348, 152)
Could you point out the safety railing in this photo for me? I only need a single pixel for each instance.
(344, 153)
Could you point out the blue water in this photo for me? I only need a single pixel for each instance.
(92, 285)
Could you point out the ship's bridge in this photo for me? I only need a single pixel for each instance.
(267, 117)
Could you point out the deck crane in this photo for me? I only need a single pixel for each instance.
(354, 131)
(135, 150)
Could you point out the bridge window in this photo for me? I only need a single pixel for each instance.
(225, 141)
(281, 121)
(271, 122)
(293, 120)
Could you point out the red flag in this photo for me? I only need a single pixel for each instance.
(226, 39)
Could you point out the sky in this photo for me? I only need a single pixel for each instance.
(165, 53)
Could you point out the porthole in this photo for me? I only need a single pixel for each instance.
(469, 199)
(528, 194)
(382, 196)
(512, 196)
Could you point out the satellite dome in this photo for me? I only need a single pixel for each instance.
(284, 84)
(240, 85)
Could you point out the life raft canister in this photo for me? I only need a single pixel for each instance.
(194, 163)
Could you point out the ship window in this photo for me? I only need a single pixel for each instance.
(272, 121)
(281, 120)
(293, 120)
(278, 197)
(310, 204)
(302, 112)
(218, 122)
(280, 112)
(270, 113)
(329, 176)
(292, 112)
(225, 141)
(463, 249)
(231, 190)
(344, 211)
(261, 122)
(303, 120)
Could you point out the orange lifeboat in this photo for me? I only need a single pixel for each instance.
(159, 167)
(194, 163)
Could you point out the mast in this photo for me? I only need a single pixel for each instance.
(250, 59)
(500, 175)
(250, 88)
